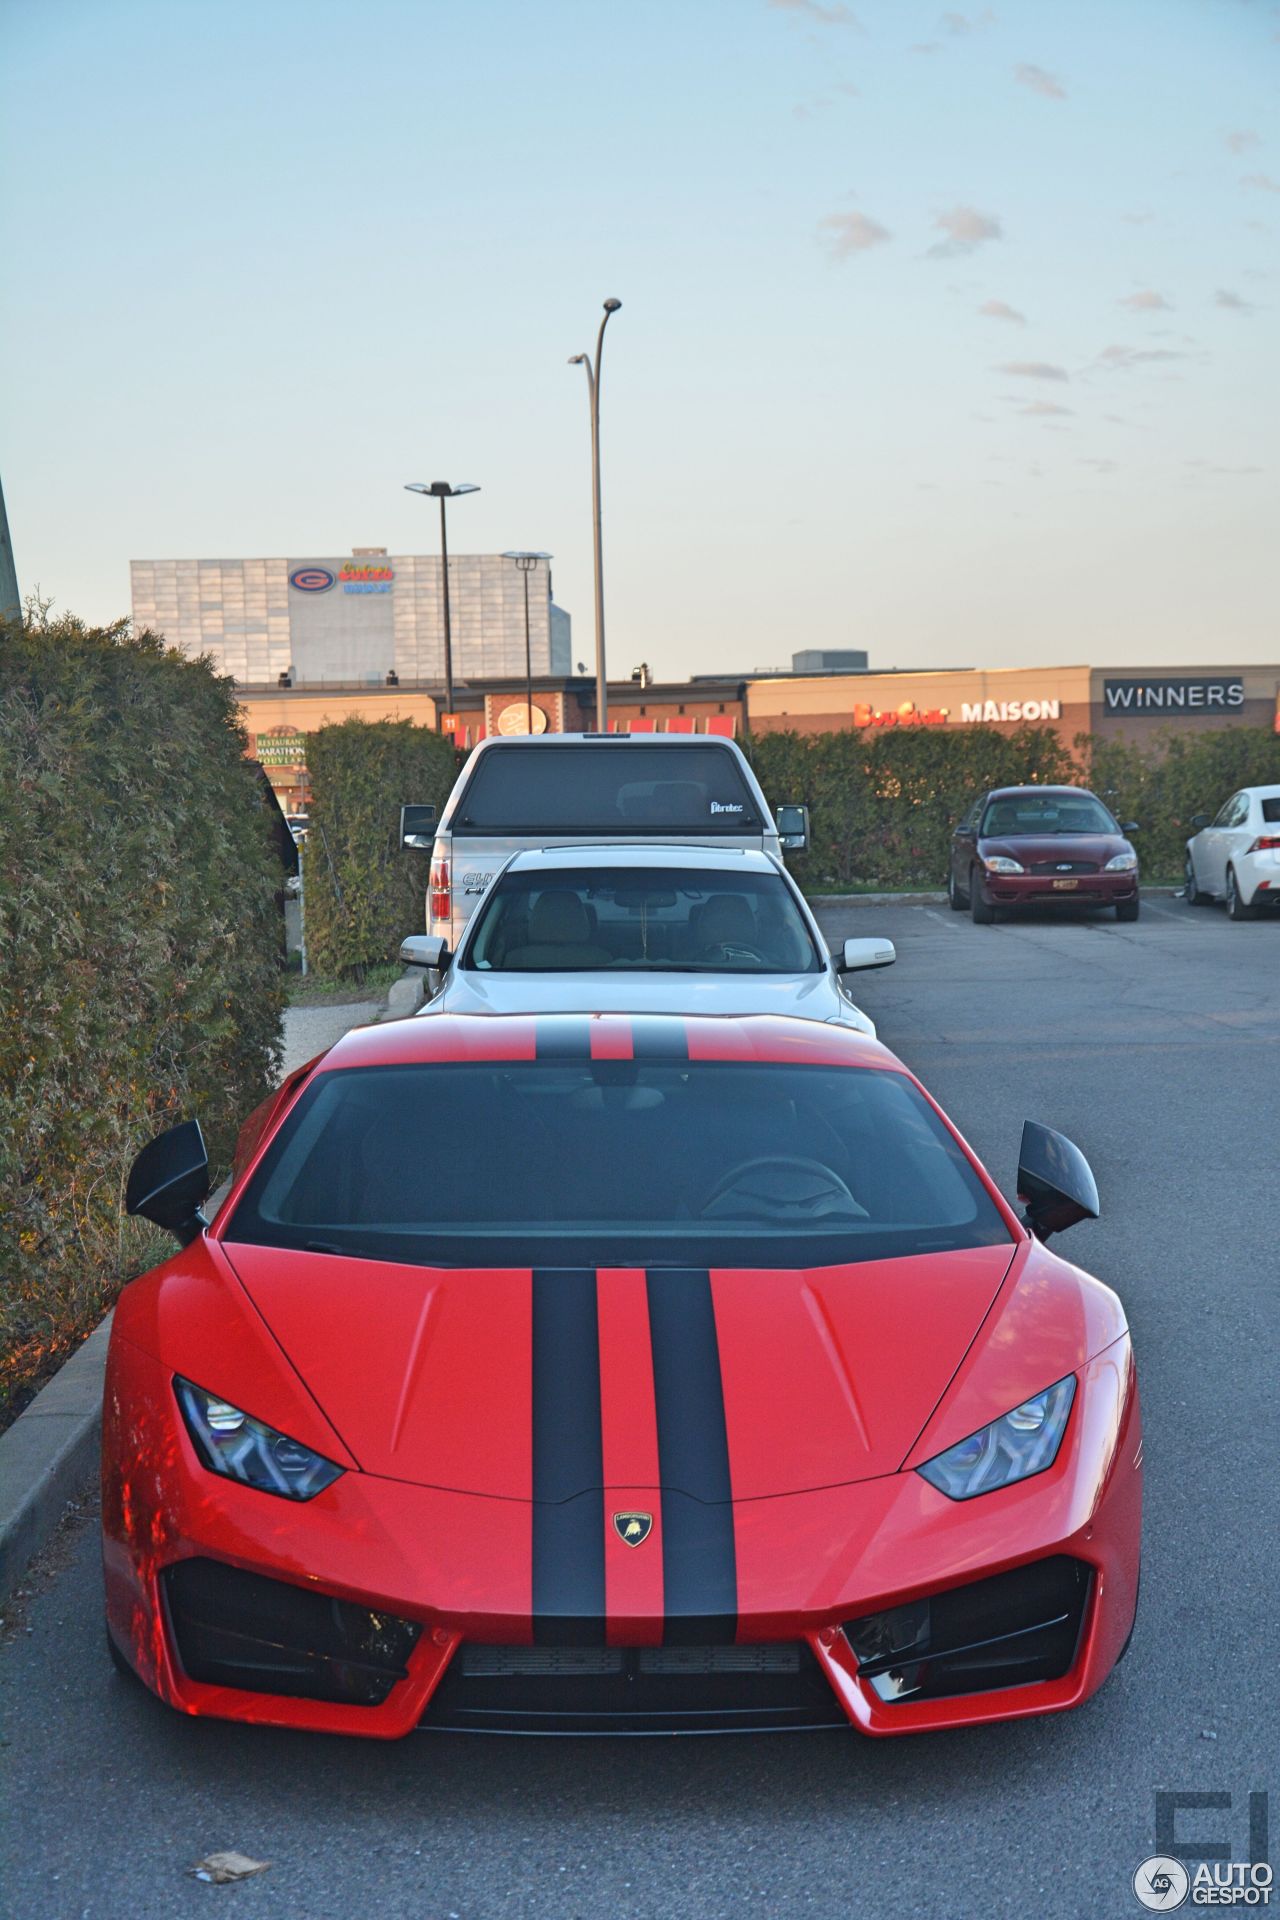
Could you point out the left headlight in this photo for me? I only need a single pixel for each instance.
(1122, 863)
(1012, 1448)
(233, 1443)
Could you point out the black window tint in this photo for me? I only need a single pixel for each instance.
(640, 919)
(581, 1162)
(622, 789)
(1271, 810)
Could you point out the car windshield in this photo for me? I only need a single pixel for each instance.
(581, 1162)
(640, 919)
(1015, 813)
(616, 790)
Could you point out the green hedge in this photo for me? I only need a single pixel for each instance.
(363, 893)
(142, 950)
(1176, 777)
(883, 802)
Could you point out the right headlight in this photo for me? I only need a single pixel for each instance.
(233, 1443)
(1000, 863)
(1012, 1448)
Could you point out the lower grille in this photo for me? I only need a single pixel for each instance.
(236, 1629)
(697, 1689)
(1009, 1631)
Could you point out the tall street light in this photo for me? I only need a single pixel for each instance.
(441, 490)
(526, 563)
(593, 395)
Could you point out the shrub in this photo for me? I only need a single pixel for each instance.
(363, 892)
(142, 946)
(1177, 776)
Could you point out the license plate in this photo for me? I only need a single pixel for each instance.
(1066, 885)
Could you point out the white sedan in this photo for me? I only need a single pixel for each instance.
(1236, 857)
(628, 929)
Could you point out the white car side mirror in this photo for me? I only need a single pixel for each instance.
(424, 950)
(858, 954)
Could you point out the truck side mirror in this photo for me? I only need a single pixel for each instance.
(169, 1180)
(793, 827)
(1055, 1182)
(418, 828)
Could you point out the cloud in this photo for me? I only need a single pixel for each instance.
(1124, 359)
(1033, 370)
(1042, 408)
(852, 232)
(957, 23)
(1147, 302)
(965, 229)
(1137, 219)
(1242, 141)
(833, 16)
(1100, 466)
(1233, 302)
(1262, 181)
(1001, 310)
(1039, 81)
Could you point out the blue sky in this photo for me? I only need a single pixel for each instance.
(951, 335)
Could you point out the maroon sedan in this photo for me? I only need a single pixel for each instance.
(1041, 847)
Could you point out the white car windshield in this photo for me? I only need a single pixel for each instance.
(640, 919)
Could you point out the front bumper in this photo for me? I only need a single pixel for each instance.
(454, 1569)
(1058, 890)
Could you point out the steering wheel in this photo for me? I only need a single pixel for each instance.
(784, 1186)
(731, 950)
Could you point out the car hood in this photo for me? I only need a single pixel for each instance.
(458, 1378)
(811, 996)
(1032, 848)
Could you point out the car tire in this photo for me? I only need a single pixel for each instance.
(955, 899)
(1236, 908)
(1193, 894)
(980, 912)
(1128, 909)
(118, 1660)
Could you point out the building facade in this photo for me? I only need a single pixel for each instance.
(352, 620)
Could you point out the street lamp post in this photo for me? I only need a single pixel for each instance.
(526, 563)
(593, 396)
(441, 490)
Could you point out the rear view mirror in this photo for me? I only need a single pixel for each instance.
(418, 828)
(169, 1180)
(424, 950)
(1055, 1182)
(793, 827)
(858, 954)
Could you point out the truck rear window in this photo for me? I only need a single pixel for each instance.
(615, 790)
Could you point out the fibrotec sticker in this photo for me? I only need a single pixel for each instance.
(1163, 1884)
(726, 806)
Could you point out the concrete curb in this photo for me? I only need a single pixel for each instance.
(48, 1454)
(937, 898)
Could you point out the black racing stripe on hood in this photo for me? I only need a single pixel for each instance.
(563, 1037)
(699, 1566)
(568, 1461)
(659, 1037)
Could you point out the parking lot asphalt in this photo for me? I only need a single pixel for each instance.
(1157, 1048)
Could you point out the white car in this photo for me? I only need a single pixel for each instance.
(1236, 857)
(645, 929)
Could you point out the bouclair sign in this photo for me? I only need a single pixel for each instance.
(1172, 696)
(985, 711)
(971, 711)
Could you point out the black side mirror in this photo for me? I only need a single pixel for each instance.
(418, 828)
(1199, 821)
(792, 822)
(169, 1180)
(1055, 1182)
(1130, 826)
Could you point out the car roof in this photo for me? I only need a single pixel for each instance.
(495, 740)
(487, 1037)
(597, 853)
(1006, 793)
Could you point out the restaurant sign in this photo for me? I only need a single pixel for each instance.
(285, 747)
